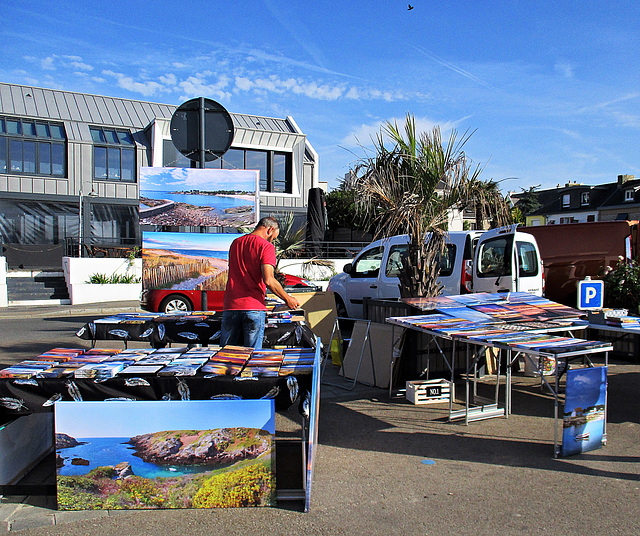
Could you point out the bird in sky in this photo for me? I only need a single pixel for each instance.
(410, 7)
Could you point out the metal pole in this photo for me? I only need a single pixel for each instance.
(204, 306)
(201, 140)
(80, 233)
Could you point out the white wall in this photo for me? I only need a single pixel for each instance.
(77, 272)
(4, 296)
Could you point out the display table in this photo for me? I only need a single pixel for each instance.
(159, 329)
(624, 336)
(296, 381)
(507, 329)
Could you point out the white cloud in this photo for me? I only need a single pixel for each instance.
(82, 66)
(168, 79)
(275, 84)
(564, 68)
(313, 89)
(197, 85)
(146, 87)
(364, 134)
(627, 120)
(47, 63)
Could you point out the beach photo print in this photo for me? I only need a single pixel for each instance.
(199, 197)
(185, 261)
(175, 454)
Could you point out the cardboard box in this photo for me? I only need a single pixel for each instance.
(429, 391)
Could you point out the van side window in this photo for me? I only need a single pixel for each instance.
(368, 264)
(494, 257)
(394, 263)
(447, 261)
(527, 259)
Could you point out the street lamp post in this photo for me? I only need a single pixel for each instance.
(81, 223)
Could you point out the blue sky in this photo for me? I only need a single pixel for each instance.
(185, 241)
(125, 419)
(169, 179)
(551, 88)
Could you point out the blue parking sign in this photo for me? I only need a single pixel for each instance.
(590, 294)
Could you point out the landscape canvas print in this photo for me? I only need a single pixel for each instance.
(199, 197)
(174, 454)
(185, 261)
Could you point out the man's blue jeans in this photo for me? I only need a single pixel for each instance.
(244, 328)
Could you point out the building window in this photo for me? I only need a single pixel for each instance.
(114, 156)
(276, 168)
(629, 194)
(566, 200)
(114, 224)
(584, 198)
(591, 217)
(31, 222)
(29, 147)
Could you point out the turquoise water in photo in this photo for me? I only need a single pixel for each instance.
(216, 202)
(101, 451)
(203, 253)
(571, 446)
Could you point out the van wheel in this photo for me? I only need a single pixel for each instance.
(341, 310)
(175, 304)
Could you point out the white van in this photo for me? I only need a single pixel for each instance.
(374, 272)
(508, 260)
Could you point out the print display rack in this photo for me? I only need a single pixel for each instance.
(290, 376)
(517, 323)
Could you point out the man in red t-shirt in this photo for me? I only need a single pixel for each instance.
(252, 262)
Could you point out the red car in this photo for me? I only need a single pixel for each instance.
(170, 301)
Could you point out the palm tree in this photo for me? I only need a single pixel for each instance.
(411, 188)
(290, 239)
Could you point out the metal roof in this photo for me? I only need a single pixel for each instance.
(72, 107)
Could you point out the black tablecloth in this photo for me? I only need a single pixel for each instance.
(38, 395)
(160, 330)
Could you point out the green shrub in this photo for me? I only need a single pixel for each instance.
(622, 286)
(248, 486)
(103, 279)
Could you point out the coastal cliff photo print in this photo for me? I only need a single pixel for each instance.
(177, 454)
(186, 197)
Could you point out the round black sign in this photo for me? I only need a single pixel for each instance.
(186, 124)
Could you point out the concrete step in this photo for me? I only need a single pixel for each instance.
(26, 286)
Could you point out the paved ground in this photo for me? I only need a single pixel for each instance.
(494, 476)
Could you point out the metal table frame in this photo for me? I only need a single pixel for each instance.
(490, 408)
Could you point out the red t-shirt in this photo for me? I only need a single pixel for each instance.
(245, 288)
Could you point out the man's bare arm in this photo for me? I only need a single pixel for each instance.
(268, 275)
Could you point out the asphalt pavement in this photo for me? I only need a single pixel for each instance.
(387, 466)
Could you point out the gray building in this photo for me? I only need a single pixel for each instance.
(69, 168)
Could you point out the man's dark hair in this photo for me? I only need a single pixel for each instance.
(268, 221)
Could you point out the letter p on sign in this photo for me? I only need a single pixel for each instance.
(590, 294)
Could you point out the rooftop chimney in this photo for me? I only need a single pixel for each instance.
(624, 178)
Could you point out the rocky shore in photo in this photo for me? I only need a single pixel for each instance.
(207, 447)
(184, 214)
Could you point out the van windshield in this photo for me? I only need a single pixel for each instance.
(368, 264)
